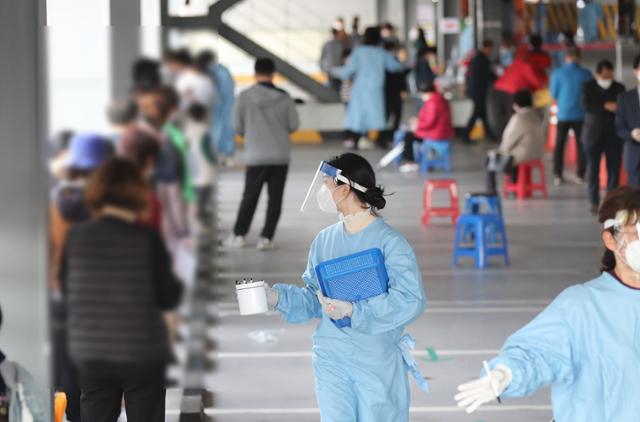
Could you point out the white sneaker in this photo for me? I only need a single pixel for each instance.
(409, 168)
(265, 244)
(234, 242)
(365, 144)
(348, 144)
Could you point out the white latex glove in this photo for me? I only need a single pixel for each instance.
(273, 296)
(635, 134)
(481, 391)
(334, 308)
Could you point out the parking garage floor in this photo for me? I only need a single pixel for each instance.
(261, 366)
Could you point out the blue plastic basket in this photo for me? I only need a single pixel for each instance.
(353, 278)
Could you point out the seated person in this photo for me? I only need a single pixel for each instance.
(20, 399)
(433, 124)
(523, 140)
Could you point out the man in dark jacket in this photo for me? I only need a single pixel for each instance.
(598, 135)
(628, 127)
(479, 80)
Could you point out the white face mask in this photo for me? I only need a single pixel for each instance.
(325, 200)
(631, 252)
(604, 83)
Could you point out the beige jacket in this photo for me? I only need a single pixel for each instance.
(523, 138)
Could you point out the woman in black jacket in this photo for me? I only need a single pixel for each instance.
(117, 280)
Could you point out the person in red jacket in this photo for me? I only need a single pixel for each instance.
(521, 75)
(433, 124)
(539, 59)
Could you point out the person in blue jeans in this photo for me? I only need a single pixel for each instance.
(566, 88)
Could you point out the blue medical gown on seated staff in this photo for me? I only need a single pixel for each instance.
(361, 371)
(367, 65)
(586, 344)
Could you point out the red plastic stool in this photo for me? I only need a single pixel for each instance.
(429, 210)
(525, 186)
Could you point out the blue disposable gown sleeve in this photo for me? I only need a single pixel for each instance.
(554, 86)
(540, 353)
(300, 304)
(405, 299)
(349, 70)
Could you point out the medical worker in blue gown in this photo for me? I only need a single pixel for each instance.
(361, 371)
(586, 344)
(222, 133)
(367, 66)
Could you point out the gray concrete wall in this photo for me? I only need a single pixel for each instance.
(23, 193)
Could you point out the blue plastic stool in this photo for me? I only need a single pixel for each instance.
(481, 203)
(398, 138)
(432, 155)
(490, 238)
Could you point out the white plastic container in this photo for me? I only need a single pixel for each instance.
(252, 298)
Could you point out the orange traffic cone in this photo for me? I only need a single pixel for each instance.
(60, 406)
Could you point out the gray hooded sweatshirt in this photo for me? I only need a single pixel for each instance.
(265, 116)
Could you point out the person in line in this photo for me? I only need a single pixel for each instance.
(539, 59)
(422, 72)
(331, 55)
(433, 124)
(523, 140)
(221, 115)
(201, 159)
(143, 149)
(20, 398)
(361, 371)
(628, 126)
(367, 65)
(566, 89)
(599, 98)
(265, 115)
(355, 36)
(479, 79)
(519, 76)
(122, 114)
(117, 280)
(388, 35)
(418, 41)
(157, 107)
(87, 151)
(585, 343)
(191, 84)
(506, 51)
(395, 89)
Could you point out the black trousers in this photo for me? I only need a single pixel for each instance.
(104, 385)
(612, 149)
(479, 112)
(500, 110)
(409, 139)
(275, 177)
(561, 139)
(490, 182)
(203, 201)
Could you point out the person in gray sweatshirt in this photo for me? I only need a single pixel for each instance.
(265, 116)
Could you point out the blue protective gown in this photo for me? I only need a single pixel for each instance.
(361, 371)
(367, 65)
(586, 344)
(222, 133)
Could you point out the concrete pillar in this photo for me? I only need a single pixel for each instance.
(125, 43)
(23, 187)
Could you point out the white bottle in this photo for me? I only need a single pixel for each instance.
(252, 298)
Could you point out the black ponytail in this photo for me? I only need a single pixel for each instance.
(357, 169)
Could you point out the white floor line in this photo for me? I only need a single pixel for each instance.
(279, 355)
(421, 409)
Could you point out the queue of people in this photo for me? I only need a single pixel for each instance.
(124, 206)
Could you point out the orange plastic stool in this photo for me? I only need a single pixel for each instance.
(525, 186)
(430, 211)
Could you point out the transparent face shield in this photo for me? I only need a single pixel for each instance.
(319, 197)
